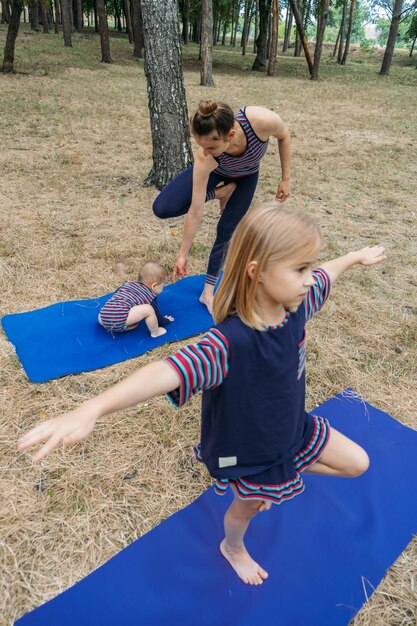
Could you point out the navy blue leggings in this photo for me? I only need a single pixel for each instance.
(175, 200)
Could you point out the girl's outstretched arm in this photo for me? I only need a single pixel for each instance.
(149, 381)
(366, 256)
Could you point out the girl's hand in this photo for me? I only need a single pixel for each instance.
(180, 269)
(66, 429)
(370, 256)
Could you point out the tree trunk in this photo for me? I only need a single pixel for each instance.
(126, 11)
(206, 73)
(44, 17)
(349, 32)
(336, 45)
(5, 12)
(244, 37)
(342, 31)
(103, 29)
(301, 32)
(186, 21)
(224, 33)
(34, 14)
(298, 44)
(321, 27)
(117, 21)
(412, 46)
(268, 40)
(66, 22)
(287, 30)
(259, 64)
(274, 39)
(95, 15)
(256, 25)
(392, 36)
(171, 148)
(137, 29)
(12, 31)
(57, 16)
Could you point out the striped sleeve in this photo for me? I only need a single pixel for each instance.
(203, 365)
(318, 293)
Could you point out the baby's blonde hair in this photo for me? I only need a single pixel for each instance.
(153, 272)
(267, 234)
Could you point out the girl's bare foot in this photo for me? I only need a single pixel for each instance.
(246, 568)
(223, 194)
(159, 332)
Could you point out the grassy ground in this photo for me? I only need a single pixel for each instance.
(76, 146)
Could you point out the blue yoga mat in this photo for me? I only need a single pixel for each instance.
(65, 338)
(326, 550)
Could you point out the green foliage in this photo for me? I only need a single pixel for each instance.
(383, 26)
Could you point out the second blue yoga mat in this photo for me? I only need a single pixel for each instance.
(326, 550)
(65, 338)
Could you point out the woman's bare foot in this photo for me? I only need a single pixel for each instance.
(223, 194)
(246, 568)
(159, 332)
(207, 300)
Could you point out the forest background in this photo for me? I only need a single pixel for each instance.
(76, 147)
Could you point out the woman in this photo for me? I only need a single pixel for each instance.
(226, 167)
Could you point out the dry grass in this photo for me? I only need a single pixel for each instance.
(75, 148)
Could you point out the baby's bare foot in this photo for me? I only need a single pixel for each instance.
(159, 332)
(207, 301)
(246, 568)
(223, 194)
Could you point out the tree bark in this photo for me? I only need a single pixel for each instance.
(287, 30)
(274, 39)
(12, 32)
(44, 17)
(206, 73)
(57, 16)
(34, 14)
(412, 46)
(103, 29)
(340, 53)
(95, 16)
(321, 27)
(66, 22)
(348, 33)
(392, 36)
(259, 64)
(126, 11)
(5, 12)
(137, 29)
(185, 21)
(301, 33)
(171, 148)
(256, 25)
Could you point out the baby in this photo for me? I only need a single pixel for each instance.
(135, 301)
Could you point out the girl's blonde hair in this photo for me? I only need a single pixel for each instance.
(267, 234)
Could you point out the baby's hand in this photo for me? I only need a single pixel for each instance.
(170, 318)
(66, 429)
(370, 256)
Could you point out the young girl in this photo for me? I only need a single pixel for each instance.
(226, 167)
(255, 434)
(135, 301)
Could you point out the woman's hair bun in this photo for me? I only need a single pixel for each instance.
(207, 107)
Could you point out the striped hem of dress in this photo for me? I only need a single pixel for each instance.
(249, 491)
(210, 195)
(277, 494)
(315, 447)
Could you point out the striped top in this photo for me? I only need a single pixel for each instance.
(116, 309)
(248, 162)
(205, 365)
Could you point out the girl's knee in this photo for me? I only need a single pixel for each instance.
(159, 208)
(359, 463)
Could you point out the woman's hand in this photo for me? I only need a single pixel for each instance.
(180, 268)
(65, 429)
(283, 191)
